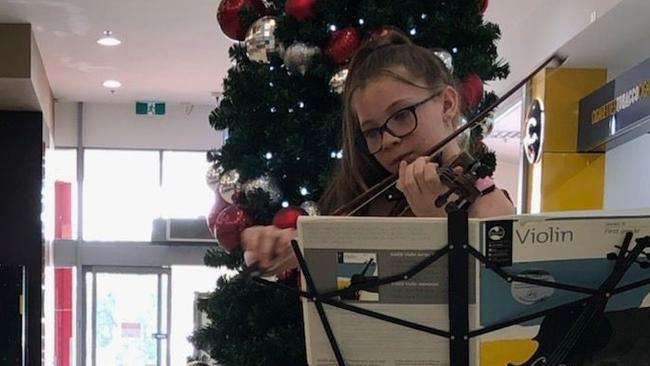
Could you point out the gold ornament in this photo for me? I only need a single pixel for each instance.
(337, 82)
(260, 41)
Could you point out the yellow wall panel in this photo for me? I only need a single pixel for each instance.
(569, 180)
(538, 85)
(563, 90)
(572, 181)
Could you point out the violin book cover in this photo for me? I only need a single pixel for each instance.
(565, 247)
(578, 249)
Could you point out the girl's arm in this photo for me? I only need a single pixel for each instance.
(492, 204)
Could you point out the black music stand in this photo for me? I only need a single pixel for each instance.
(459, 250)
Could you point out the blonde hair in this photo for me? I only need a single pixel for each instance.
(381, 56)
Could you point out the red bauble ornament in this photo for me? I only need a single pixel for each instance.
(342, 44)
(483, 5)
(471, 91)
(300, 9)
(229, 225)
(219, 205)
(287, 218)
(229, 20)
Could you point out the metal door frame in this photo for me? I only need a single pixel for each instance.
(159, 271)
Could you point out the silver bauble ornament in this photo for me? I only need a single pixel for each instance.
(445, 57)
(229, 185)
(487, 125)
(267, 185)
(299, 56)
(311, 208)
(337, 82)
(260, 41)
(212, 176)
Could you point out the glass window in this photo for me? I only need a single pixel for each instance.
(88, 311)
(188, 282)
(185, 193)
(121, 194)
(126, 319)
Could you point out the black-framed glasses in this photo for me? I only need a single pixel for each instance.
(400, 124)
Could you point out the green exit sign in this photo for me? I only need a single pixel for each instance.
(151, 108)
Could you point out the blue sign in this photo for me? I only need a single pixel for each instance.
(617, 112)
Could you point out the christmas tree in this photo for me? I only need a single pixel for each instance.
(281, 107)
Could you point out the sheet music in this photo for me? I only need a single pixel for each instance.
(381, 232)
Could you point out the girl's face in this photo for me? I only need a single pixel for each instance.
(387, 98)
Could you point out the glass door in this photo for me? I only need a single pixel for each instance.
(126, 316)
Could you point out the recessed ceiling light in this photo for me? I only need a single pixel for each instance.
(108, 39)
(111, 84)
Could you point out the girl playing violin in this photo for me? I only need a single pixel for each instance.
(399, 101)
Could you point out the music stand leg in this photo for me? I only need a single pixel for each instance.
(311, 286)
(458, 272)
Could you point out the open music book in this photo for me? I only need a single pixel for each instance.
(569, 247)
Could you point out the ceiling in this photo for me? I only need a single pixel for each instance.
(175, 52)
(171, 51)
(606, 44)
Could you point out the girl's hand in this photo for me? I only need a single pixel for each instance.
(270, 248)
(420, 183)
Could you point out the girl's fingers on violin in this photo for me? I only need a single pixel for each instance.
(409, 180)
(431, 178)
(400, 178)
(409, 184)
(419, 167)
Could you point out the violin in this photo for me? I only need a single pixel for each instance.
(462, 185)
(462, 189)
